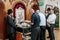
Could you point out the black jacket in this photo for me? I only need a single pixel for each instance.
(10, 25)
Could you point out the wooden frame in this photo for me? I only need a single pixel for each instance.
(22, 6)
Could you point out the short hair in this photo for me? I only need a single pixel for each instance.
(35, 7)
(48, 9)
(10, 11)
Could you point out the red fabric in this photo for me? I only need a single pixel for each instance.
(18, 36)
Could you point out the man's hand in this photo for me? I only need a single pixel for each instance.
(48, 24)
(31, 23)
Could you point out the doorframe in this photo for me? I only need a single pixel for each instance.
(17, 3)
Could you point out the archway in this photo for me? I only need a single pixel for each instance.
(19, 4)
(20, 11)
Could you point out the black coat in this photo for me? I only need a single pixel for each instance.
(10, 25)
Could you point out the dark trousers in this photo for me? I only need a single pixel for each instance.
(35, 33)
(51, 32)
(42, 34)
(48, 28)
(12, 36)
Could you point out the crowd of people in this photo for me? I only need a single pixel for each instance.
(39, 23)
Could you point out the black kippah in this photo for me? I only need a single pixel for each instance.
(48, 9)
(10, 11)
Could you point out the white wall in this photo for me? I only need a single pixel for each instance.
(51, 2)
(54, 3)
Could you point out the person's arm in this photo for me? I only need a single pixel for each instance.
(31, 23)
(10, 22)
(51, 20)
(48, 24)
(32, 20)
(48, 21)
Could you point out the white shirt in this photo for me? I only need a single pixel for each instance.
(51, 19)
(43, 19)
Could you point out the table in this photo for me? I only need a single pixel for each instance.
(23, 28)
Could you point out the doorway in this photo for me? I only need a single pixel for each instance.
(19, 12)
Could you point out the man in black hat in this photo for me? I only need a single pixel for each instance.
(10, 25)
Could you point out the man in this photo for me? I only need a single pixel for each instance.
(48, 14)
(42, 25)
(10, 25)
(35, 27)
(50, 23)
(35, 21)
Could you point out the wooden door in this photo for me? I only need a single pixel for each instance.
(3, 31)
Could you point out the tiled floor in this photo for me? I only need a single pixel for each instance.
(57, 35)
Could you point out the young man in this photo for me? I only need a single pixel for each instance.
(35, 21)
(10, 25)
(42, 25)
(48, 14)
(50, 23)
